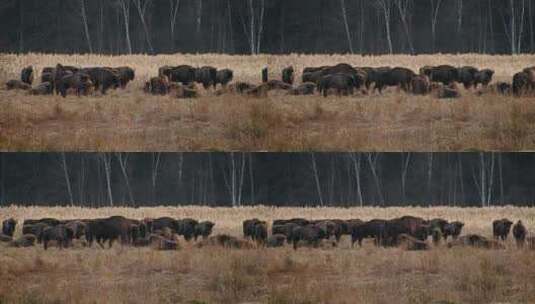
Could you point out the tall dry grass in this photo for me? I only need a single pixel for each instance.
(132, 121)
(216, 275)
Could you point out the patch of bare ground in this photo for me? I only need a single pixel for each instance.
(323, 275)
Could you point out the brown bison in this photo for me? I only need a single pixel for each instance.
(206, 75)
(60, 233)
(157, 86)
(372, 229)
(203, 229)
(44, 88)
(484, 77)
(453, 229)
(79, 82)
(310, 234)
(184, 74)
(108, 229)
(467, 75)
(343, 84)
(26, 240)
(126, 74)
(522, 84)
(15, 84)
(104, 78)
(420, 85)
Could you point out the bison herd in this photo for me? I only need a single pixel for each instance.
(340, 79)
(408, 232)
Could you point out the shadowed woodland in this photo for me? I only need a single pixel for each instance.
(267, 26)
(289, 179)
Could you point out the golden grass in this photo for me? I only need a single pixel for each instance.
(215, 275)
(132, 121)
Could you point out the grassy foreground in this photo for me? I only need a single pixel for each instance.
(129, 120)
(215, 275)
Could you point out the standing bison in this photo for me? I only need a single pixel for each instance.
(520, 232)
(184, 74)
(108, 230)
(445, 74)
(8, 226)
(203, 229)
(343, 84)
(60, 233)
(501, 228)
(207, 76)
(288, 75)
(224, 76)
(27, 75)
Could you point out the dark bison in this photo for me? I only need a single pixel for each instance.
(206, 75)
(313, 77)
(47, 220)
(77, 228)
(374, 75)
(265, 75)
(288, 75)
(453, 229)
(108, 229)
(224, 76)
(260, 232)
(445, 74)
(103, 78)
(60, 233)
(467, 75)
(400, 77)
(157, 86)
(313, 69)
(47, 75)
(410, 225)
(371, 229)
(126, 74)
(61, 71)
(341, 83)
(284, 229)
(297, 221)
(163, 222)
(310, 234)
(44, 88)
(184, 74)
(306, 88)
(27, 75)
(249, 227)
(522, 84)
(240, 87)
(35, 229)
(15, 84)
(8, 226)
(501, 228)
(484, 77)
(438, 223)
(275, 240)
(79, 82)
(203, 229)
(277, 85)
(186, 228)
(520, 232)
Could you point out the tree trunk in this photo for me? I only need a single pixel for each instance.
(372, 162)
(125, 6)
(346, 25)
(316, 178)
(86, 28)
(67, 178)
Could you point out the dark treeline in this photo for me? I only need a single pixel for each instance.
(267, 26)
(283, 179)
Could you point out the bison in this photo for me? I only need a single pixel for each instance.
(467, 75)
(15, 84)
(501, 228)
(288, 75)
(522, 85)
(60, 233)
(306, 88)
(27, 75)
(126, 74)
(520, 232)
(8, 226)
(104, 78)
(203, 229)
(372, 229)
(342, 83)
(484, 77)
(206, 75)
(446, 74)
(275, 240)
(108, 229)
(224, 76)
(453, 229)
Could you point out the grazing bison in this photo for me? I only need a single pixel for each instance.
(203, 229)
(26, 240)
(398, 76)
(453, 229)
(126, 74)
(310, 234)
(79, 82)
(288, 75)
(44, 88)
(420, 85)
(275, 240)
(296, 221)
(446, 74)
(103, 78)
(284, 229)
(475, 240)
(15, 84)
(60, 233)
(184, 74)
(47, 220)
(306, 88)
(342, 83)
(224, 76)
(77, 228)
(484, 77)
(467, 75)
(501, 228)
(157, 86)
(313, 77)
(520, 232)
(108, 229)
(206, 75)
(26, 75)
(8, 226)
(265, 75)
(371, 229)
(522, 85)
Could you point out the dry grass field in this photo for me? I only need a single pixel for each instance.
(324, 275)
(129, 120)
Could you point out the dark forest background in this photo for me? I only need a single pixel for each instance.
(283, 179)
(267, 26)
